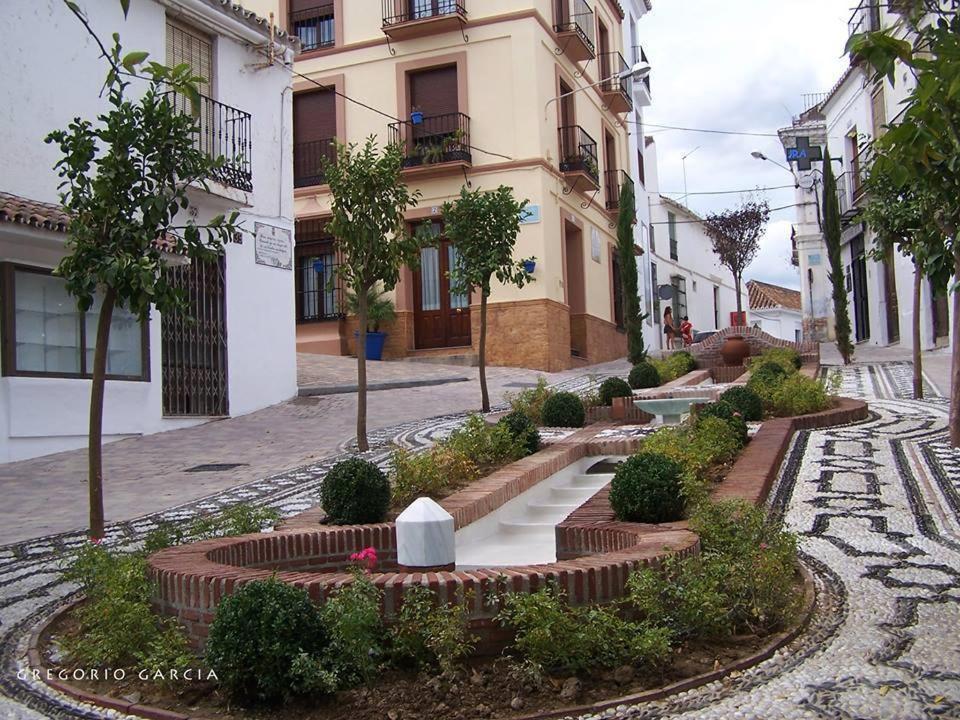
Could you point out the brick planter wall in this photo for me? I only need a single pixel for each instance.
(707, 352)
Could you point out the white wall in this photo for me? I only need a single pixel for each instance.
(54, 81)
(778, 322)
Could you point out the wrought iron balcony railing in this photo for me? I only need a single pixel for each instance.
(308, 161)
(437, 139)
(844, 200)
(222, 132)
(578, 152)
(314, 26)
(618, 89)
(615, 180)
(579, 21)
(861, 171)
(396, 12)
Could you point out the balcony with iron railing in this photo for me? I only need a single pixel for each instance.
(615, 181)
(845, 195)
(860, 172)
(578, 154)
(436, 140)
(617, 91)
(406, 19)
(222, 132)
(314, 26)
(576, 31)
(309, 159)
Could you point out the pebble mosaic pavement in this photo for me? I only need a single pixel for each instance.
(877, 507)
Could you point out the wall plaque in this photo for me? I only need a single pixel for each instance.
(272, 246)
(595, 244)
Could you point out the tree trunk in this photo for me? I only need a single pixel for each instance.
(917, 356)
(95, 440)
(484, 395)
(955, 375)
(362, 443)
(736, 284)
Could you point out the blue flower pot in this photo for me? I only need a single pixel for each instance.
(529, 266)
(416, 117)
(375, 341)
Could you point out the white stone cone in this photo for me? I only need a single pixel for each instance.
(425, 535)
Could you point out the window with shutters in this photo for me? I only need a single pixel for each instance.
(679, 298)
(672, 231)
(440, 133)
(191, 47)
(655, 285)
(314, 22)
(314, 135)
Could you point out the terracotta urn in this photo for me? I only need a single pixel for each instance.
(734, 350)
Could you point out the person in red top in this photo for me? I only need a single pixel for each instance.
(686, 331)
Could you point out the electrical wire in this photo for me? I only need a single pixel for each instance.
(703, 130)
(729, 192)
(697, 222)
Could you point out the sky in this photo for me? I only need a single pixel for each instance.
(739, 65)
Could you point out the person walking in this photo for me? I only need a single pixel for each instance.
(669, 329)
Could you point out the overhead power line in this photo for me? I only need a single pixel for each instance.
(704, 130)
(728, 192)
(697, 222)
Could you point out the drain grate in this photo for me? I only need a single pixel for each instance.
(216, 467)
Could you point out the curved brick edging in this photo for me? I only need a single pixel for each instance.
(35, 663)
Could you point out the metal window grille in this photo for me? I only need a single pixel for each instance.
(319, 290)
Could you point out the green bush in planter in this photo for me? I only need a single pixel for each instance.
(267, 642)
(613, 388)
(521, 428)
(684, 361)
(563, 409)
(647, 488)
(644, 375)
(765, 379)
(745, 401)
(726, 412)
(788, 358)
(799, 395)
(355, 492)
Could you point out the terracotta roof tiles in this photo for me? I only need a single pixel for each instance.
(764, 295)
(21, 210)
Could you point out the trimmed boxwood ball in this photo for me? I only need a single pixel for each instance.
(745, 401)
(646, 488)
(563, 409)
(522, 428)
(258, 637)
(355, 492)
(613, 388)
(644, 375)
(688, 360)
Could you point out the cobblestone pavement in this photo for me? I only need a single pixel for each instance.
(148, 474)
(877, 505)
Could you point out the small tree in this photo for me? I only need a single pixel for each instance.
(735, 235)
(483, 226)
(124, 187)
(369, 202)
(831, 236)
(902, 220)
(632, 318)
(926, 139)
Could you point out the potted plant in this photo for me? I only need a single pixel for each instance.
(380, 310)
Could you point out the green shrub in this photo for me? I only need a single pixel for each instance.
(685, 362)
(487, 445)
(521, 428)
(355, 492)
(646, 488)
(239, 519)
(717, 440)
(757, 562)
(352, 619)
(431, 634)
(644, 375)
(258, 641)
(719, 409)
(614, 387)
(722, 410)
(684, 595)
(552, 636)
(530, 401)
(563, 409)
(787, 358)
(765, 380)
(433, 473)
(745, 401)
(743, 580)
(800, 395)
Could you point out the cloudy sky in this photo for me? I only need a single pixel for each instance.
(738, 65)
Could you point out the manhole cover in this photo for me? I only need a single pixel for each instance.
(216, 467)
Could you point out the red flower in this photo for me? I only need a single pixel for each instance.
(95, 540)
(368, 556)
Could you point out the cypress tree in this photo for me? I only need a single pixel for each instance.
(831, 234)
(632, 318)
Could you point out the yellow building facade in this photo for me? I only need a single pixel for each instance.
(471, 88)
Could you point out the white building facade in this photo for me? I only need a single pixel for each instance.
(239, 355)
(879, 293)
(776, 310)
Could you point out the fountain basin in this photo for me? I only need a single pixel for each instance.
(669, 411)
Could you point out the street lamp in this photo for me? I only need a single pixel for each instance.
(760, 156)
(638, 72)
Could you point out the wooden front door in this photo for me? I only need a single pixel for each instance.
(441, 317)
(940, 310)
(861, 301)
